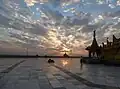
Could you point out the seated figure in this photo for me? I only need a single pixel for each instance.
(51, 61)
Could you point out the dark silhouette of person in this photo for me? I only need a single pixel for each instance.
(51, 61)
(81, 62)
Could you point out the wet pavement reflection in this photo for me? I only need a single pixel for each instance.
(99, 74)
(63, 74)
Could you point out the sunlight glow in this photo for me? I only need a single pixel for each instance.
(64, 62)
(58, 26)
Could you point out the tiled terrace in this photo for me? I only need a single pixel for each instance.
(38, 74)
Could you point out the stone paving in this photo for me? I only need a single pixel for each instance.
(5, 63)
(38, 74)
(97, 74)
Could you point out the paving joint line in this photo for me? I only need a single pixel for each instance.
(7, 70)
(84, 81)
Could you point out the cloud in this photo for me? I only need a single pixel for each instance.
(38, 29)
(63, 2)
(81, 22)
(21, 24)
(5, 20)
(32, 2)
(70, 1)
(89, 28)
(56, 26)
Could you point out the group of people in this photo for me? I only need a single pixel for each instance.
(51, 61)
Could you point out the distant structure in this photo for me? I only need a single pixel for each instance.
(110, 50)
(65, 55)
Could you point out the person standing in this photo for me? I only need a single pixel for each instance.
(81, 62)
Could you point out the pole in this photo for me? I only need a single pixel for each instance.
(27, 47)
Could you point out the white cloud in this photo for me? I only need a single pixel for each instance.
(68, 32)
(118, 3)
(32, 2)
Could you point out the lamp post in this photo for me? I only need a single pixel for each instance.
(71, 53)
(27, 47)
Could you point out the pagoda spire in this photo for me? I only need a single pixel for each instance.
(94, 48)
(114, 38)
(94, 33)
(94, 45)
(107, 41)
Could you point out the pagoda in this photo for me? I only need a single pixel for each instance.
(94, 50)
(108, 51)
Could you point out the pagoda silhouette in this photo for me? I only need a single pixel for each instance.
(94, 50)
(108, 51)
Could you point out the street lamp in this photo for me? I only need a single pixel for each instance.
(27, 47)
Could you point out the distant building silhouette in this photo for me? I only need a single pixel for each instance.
(65, 55)
(110, 50)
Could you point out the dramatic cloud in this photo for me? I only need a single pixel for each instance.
(32, 2)
(54, 26)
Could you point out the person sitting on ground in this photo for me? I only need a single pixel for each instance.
(51, 61)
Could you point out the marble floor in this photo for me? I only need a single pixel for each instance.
(38, 74)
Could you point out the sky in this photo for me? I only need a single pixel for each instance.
(54, 26)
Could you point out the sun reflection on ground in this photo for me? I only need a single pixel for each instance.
(64, 62)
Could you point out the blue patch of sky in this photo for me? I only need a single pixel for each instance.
(1, 2)
(36, 14)
(21, 3)
(54, 5)
(117, 8)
